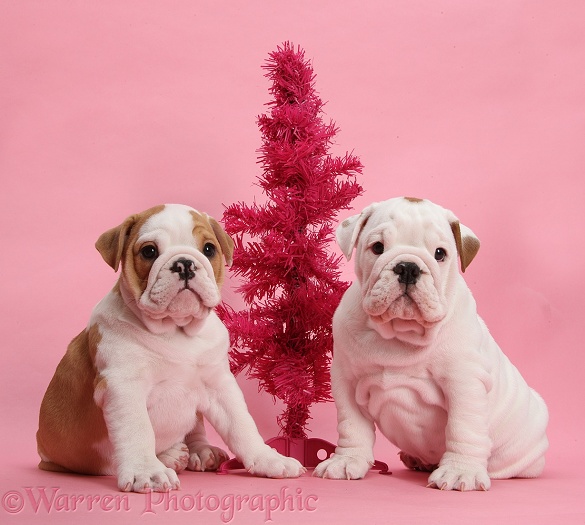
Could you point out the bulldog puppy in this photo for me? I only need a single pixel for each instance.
(412, 356)
(129, 396)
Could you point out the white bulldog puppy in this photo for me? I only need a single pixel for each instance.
(412, 357)
(129, 396)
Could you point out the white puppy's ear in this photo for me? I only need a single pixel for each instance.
(111, 243)
(466, 241)
(348, 231)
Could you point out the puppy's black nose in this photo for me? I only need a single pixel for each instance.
(408, 272)
(185, 268)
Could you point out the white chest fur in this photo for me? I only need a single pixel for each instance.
(172, 371)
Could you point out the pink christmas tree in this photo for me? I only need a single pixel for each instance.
(290, 280)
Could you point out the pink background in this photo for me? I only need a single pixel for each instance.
(110, 107)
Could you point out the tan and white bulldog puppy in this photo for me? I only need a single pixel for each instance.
(412, 356)
(129, 396)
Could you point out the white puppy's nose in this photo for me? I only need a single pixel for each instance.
(408, 272)
(185, 268)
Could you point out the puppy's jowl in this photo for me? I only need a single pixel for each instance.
(129, 396)
(412, 357)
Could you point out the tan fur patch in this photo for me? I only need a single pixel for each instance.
(205, 232)
(112, 244)
(414, 200)
(70, 423)
(467, 247)
(136, 268)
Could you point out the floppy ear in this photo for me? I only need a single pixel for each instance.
(348, 231)
(467, 243)
(225, 241)
(111, 243)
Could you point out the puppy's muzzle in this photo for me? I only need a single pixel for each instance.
(408, 272)
(185, 268)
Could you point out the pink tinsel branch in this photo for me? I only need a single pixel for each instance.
(290, 281)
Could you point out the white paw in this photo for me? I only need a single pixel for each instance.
(460, 477)
(206, 457)
(150, 476)
(343, 467)
(176, 457)
(271, 464)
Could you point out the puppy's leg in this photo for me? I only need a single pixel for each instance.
(229, 416)
(176, 457)
(123, 402)
(202, 455)
(468, 445)
(354, 454)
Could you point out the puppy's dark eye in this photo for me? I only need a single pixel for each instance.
(209, 250)
(440, 254)
(378, 248)
(149, 252)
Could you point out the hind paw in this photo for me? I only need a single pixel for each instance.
(206, 457)
(176, 457)
(415, 464)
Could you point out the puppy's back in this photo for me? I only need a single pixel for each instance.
(71, 425)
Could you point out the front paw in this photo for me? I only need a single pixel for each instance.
(342, 467)
(271, 464)
(460, 476)
(206, 457)
(150, 476)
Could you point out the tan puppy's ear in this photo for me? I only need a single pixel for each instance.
(348, 231)
(467, 243)
(111, 243)
(225, 241)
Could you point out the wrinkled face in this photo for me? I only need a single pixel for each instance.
(172, 262)
(406, 262)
